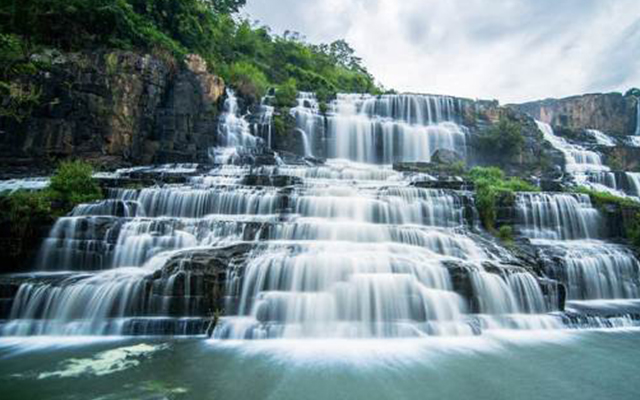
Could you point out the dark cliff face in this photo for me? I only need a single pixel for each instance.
(116, 108)
(611, 113)
(534, 157)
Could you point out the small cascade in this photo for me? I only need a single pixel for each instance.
(308, 120)
(578, 160)
(557, 216)
(264, 126)
(633, 178)
(621, 184)
(564, 226)
(234, 134)
(601, 138)
(9, 186)
(594, 270)
(392, 128)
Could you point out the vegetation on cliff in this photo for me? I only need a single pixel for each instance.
(25, 215)
(492, 187)
(504, 138)
(70, 185)
(245, 54)
(627, 211)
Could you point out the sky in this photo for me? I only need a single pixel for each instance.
(510, 50)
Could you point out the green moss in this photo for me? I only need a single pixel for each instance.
(111, 61)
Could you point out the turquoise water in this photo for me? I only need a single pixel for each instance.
(560, 365)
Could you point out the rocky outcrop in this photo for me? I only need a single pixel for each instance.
(611, 113)
(115, 108)
(533, 157)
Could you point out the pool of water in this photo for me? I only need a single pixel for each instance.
(557, 365)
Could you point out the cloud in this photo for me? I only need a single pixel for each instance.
(512, 50)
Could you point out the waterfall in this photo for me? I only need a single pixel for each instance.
(265, 124)
(308, 120)
(634, 182)
(578, 160)
(594, 270)
(349, 248)
(234, 134)
(557, 216)
(391, 128)
(564, 226)
(601, 138)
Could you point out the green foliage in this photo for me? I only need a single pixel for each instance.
(286, 94)
(630, 216)
(24, 208)
(505, 233)
(248, 80)
(633, 231)
(503, 139)
(458, 168)
(250, 55)
(603, 199)
(73, 184)
(19, 99)
(492, 185)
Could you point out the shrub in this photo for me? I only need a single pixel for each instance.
(505, 233)
(491, 184)
(503, 139)
(24, 208)
(602, 199)
(73, 184)
(248, 80)
(286, 94)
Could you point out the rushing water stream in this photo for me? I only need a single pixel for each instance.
(367, 283)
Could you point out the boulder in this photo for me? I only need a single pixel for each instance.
(445, 156)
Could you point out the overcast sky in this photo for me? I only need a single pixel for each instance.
(511, 50)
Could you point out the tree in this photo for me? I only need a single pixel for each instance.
(227, 6)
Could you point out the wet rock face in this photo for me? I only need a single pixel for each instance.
(116, 108)
(610, 112)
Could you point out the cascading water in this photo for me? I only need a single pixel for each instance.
(382, 129)
(308, 120)
(393, 128)
(339, 250)
(234, 134)
(601, 138)
(565, 227)
(586, 166)
(578, 160)
(557, 216)
(265, 124)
